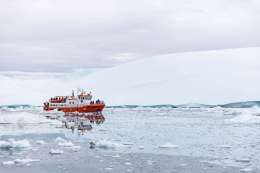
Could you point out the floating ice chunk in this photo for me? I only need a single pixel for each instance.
(246, 116)
(20, 144)
(66, 144)
(40, 142)
(104, 144)
(244, 160)
(128, 143)
(168, 145)
(225, 146)
(59, 139)
(5, 145)
(116, 156)
(25, 161)
(108, 168)
(128, 163)
(141, 147)
(75, 148)
(150, 162)
(11, 143)
(8, 163)
(56, 152)
(246, 170)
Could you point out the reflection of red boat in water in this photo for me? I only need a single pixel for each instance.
(82, 103)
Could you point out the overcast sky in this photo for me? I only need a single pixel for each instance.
(62, 35)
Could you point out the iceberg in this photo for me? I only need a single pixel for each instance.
(210, 77)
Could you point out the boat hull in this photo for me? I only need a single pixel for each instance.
(81, 109)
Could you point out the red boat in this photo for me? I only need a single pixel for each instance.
(82, 103)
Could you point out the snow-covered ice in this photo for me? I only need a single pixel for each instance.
(56, 152)
(167, 79)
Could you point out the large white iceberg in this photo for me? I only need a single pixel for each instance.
(210, 77)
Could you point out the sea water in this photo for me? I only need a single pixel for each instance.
(222, 136)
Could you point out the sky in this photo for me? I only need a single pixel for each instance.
(66, 35)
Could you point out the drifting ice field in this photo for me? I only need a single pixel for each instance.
(209, 138)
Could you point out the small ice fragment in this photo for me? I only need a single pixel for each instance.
(75, 148)
(183, 164)
(246, 170)
(107, 144)
(141, 147)
(150, 162)
(59, 139)
(168, 145)
(116, 156)
(56, 152)
(128, 163)
(225, 146)
(108, 168)
(128, 143)
(8, 163)
(5, 145)
(19, 143)
(25, 161)
(66, 144)
(40, 142)
(244, 160)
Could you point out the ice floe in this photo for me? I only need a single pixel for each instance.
(12, 143)
(8, 163)
(56, 152)
(246, 116)
(19, 161)
(66, 144)
(25, 161)
(75, 148)
(60, 139)
(40, 142)
(128, 163)
(168, 145)
(104, 144)
(243, 160)
(225, 146)
(23, 118)
(246, 170)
